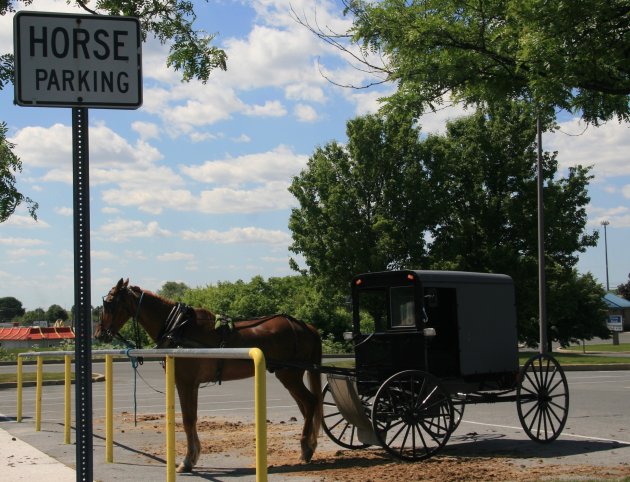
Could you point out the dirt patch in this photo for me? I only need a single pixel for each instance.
(235, 439)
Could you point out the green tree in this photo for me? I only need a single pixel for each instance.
(362, 207)
(297, 296)
(471, 192)
(31, 316)
(173, 290)
(576, 307)
(568, 55)
(191, 52)
(623, 290)
(56, 312)
(10, 308)
(10, 197)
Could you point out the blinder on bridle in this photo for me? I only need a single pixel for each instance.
(110, 306)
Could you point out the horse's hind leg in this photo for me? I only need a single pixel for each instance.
(293, 381)
(188, 395)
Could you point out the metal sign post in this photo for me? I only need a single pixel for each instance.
(82, 293)
(79, 61)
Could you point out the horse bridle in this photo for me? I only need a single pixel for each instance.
(108, 332)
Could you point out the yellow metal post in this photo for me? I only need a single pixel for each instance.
(19, 389)
(109, 409)
(170, 419)
(66, 398)
(38, 394)
(260, 413)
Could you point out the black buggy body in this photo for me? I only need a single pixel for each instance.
(427, 343)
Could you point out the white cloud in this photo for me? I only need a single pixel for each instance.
(618, 216)
(272, 196)
(246, 235)
(121, 230)
(22, 221)
(305, 92)
(25, 252)
(279, 164)
(606, 147)
(243, 138)
(63, 211)
(175, 256)
(271, 108)
(305, 113)
(21, 242)
(102, 254)
(146, 130)
(149, 199)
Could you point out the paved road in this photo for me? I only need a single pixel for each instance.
(598, 427)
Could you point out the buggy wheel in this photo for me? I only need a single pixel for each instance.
(338, 429)
(459, 404)
(542, 398)
(412, 415)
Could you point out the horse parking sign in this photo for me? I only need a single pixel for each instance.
(64, 60)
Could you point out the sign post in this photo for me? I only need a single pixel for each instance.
(79, 61)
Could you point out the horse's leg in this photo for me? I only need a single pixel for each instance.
(188, 394)
(293, 381)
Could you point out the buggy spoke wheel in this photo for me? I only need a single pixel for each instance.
(542, 398)
(412, 415)
(459, 404)
(338, 429)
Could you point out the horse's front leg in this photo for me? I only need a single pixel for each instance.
(188, 395)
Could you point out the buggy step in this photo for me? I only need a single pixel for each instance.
(343, 389)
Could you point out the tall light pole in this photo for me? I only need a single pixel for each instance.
(606, 223)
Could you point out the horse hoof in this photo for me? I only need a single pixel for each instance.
(184, 468)
(307, 455)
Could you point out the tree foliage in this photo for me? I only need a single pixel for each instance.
(364, 206)
(173, 290)
(465, 200)
(10, 164)
(568, 55)
(56, 312)
(293, 295)
(170, 21)
(623, 289)
(10, 308)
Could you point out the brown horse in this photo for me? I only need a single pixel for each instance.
(290, 347)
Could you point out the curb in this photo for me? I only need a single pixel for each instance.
(96, 378)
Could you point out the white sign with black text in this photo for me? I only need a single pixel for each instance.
(64, 60)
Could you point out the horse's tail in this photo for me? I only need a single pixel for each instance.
(315, 385)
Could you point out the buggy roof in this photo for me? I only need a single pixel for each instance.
(432, 276)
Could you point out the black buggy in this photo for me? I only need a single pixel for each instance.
(427, 343)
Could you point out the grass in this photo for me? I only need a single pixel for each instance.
(563, 359)
(607, 347)
(30, 377)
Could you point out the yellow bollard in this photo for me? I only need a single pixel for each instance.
(109, 409)
(170, 419)
(19, 389)
(38, 394)
(260, 413)
(66, 398)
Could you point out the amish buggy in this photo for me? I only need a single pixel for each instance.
(426, 344)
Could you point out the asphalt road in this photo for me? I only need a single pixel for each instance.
(597, 431)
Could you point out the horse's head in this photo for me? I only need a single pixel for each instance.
(118, 307)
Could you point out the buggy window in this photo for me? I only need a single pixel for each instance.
(372, 310)
(380, 309)
(402, 306)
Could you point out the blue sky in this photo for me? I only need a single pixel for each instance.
(192, 186)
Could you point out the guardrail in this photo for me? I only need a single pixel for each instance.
(260, 400)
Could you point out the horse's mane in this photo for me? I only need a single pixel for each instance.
(137, 290)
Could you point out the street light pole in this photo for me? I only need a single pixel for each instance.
(606, 223)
